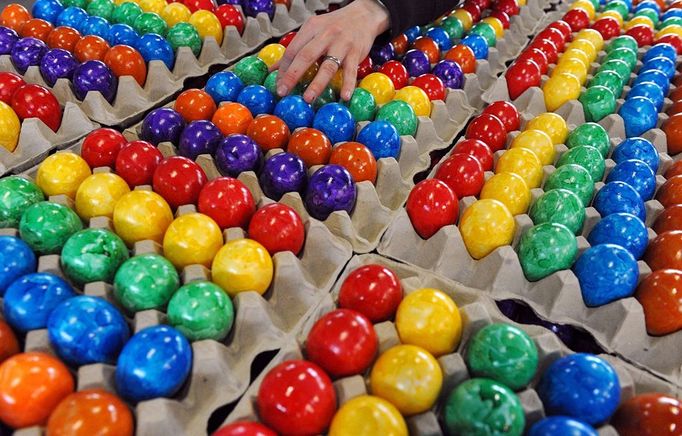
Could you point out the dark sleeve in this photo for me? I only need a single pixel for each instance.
(408, 13)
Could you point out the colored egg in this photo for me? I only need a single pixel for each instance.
(17, 194)
(201, 310)
(486, 225)
(145, 282)
(242, 265)
(192, 239)
(93, 255)
(141, 215)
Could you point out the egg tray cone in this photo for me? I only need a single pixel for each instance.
(618, 327)
(477, 311)
(132, 101)
(221, 370)
(36, 140)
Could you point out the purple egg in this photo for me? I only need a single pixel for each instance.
(27, 52)
(237, 154)
(330, 188)
(229, 2)
(382, 54)
(450, 73)
(57, 64)
(94, 76)
(8, 38)
(199, 137)
(282, 173)
(416, 62)
(255, 7)
(162, 125)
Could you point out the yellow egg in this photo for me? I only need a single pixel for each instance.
(98, 195)
(464, 17)
(586, 5)
(368, 415)
(155, 6)
(571, 66)
(207, 25)
(242, 265)
(523, 163)
(407, 376)
(538, 142)
(10, 127)
(672, 29)
(496, 24)
(142, 215)
(174, 13)
(577, 54)
(510, 190)
(612, 14)
(559, 89)
(552, 124)
(485, 226)
(585, 46)
(417, 98)
(636, 21)
(192, 239)
(380, 86)
(593, 36)
(430, 319)
(271, 54)
(62, 173)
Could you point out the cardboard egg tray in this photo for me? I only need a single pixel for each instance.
(221, 370)
(36, 140)
(477, 311)
(618, 327)
(132, 101)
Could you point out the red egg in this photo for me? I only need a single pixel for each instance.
(507, 113)
(136, 163)
(489, 129)
(397, 72)
(463, 173)
(195, 5)
(287, 38)
(278, 227)
(9, 345)
(244, 428)
(229, 15)
(34, 101)
(670, 192)
(665, 251)
(577, 18)
(644, 35)
(473, 9)
(431, 206)
(373, 290)
(400, 44)
(342, 342)
(365, 67)
(89, 48)
(296, 394)
(554, 35)
(178, 180)
(502, 16)
(608, 27)
(660, 295)
(509, 7)
(521, 76)
(101, 147)
(673, 40)
(228, 201)
(548, 48)
(477, 149)
(649, 414)
(674, 170)
(432, 85)
(536, 55)
(562, 27)
(9, 83)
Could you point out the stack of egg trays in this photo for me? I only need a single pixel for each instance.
(132, 101)
(375, 204)
(619, 326)
(221, 370)
(36, 140)
(477, 311)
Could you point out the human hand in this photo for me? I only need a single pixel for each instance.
(346, 34)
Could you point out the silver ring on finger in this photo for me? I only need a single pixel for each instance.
(334, 59)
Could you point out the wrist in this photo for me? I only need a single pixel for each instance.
(374, 13)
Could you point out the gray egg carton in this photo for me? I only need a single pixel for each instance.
(132, 101)
(477, 311)
(221, 370)
(618, 327)
(36, 140)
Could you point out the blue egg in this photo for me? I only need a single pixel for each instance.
(639, 115)
(122, 34)
(661, 49)
(606, 273)
(622, 229)
(477, 44)
(224, 86)
(154, 363)
(382, 138)
(257, 99)
(615, 197)
(413, 33)
(655, 76)
(47, 10)
(72, 17)
(648, 5)
(661, 63)
(153, 47)
(637, 174)
(295, 112)
(671, 13)
(561, 426)
(335, 121)
(96, 26)
(441, 37)
(637, 148)
(648, 90)
(86, 330)
(30, 300)
(580, 386)
(16, 259)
